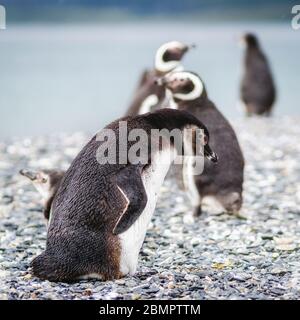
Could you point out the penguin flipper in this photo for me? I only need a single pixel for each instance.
(131, 187)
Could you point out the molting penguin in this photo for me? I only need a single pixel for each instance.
(100, 212)
(223, 182)
(47, 183)
(257, 87)
(148, 96)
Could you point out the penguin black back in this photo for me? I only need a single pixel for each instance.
(257, 88)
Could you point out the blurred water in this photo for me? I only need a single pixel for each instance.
(80, 77)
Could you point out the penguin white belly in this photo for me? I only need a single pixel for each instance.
(189, 181)
(169, 101)
(132, 239)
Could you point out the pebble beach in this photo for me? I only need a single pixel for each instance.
(255, 255)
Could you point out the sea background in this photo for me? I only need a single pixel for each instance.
(80, 74)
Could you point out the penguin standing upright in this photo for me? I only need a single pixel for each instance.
(47, 183)
(223, 182)
(257, 88)
(101, 210)
(148, 96)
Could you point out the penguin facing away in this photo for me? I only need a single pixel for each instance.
(47, 183)
(148, 96)
(257, 90)
(224, 182)
(100, 212)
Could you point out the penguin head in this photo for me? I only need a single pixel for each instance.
(43, 180)
(195, 133)
(183, 85)
(169, 55)
(250, 40)
(194, 138)
(231, 201)
(203, 137)
(208, 152)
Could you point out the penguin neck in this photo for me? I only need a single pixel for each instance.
(252, 48)
(180, 102)
(170, 100)
(191, 104)
(186, 104)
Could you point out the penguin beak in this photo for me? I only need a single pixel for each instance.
(192, 46)
(186, 48)
(182, 51)
(209, 154)
(32, 175)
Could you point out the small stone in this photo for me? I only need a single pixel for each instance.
(87, 292)
(33, 296)
(267, 237)
(191, 277)
(240, 277)
(166, 261)
(188, 219)
(195, 242)
(286, 247)
(171, 285)
(221, 266)
(27, 276)
(278, 271)
(135, 296)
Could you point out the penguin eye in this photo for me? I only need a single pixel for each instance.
(188, 86)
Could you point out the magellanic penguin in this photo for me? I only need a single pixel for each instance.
(100, 212)
(148, 96)
(223, 182)
(47, 183)
(257, 88)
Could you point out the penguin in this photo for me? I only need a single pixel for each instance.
(47, 183)
(222, 183)
(148, 96)
(101, 211)
(257, 90)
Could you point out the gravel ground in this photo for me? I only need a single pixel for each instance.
(253, 256)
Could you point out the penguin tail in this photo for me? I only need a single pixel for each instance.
(49, 267)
